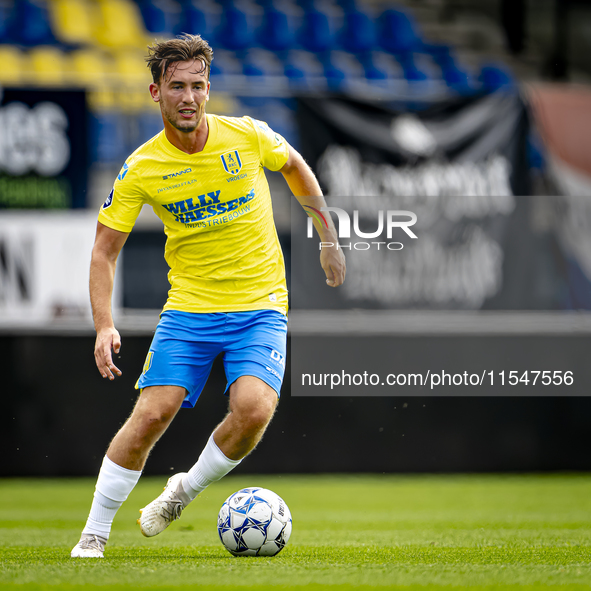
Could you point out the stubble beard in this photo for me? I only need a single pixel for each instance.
(183, 125)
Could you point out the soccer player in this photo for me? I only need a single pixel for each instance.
(203, 175)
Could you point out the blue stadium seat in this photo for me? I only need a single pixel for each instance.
(317, 34)
(216, 68)
(494, 77)
(253, 68)
(277, 32)
(149, 124)
(199, 18)
(412, 72)
(457, 79)
(30, 24)
(236, 31)
(373, 71)
(107, 138)
(296, 73)
(260, 62)
(301, 67)
(398, 32)
(161, 17)
(359, 32)
(6, 12)
(226, 63)
(279, 114)
(336, 76)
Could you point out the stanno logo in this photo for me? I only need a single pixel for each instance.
(231, 161)
(173, 174)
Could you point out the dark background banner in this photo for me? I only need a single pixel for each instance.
(484, 241)
(43, 149)
(59, 416)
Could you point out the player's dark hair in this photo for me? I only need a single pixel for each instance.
(183, 48)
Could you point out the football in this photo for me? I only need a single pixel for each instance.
(254, 522)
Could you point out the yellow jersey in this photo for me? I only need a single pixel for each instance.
(222, 246)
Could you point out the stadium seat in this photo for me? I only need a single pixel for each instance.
(73, 20)
(236, 31)
(131, 68)
(161, 17)
(121, 25)
(457, 79)
(398, 32)
(216, 68)
(495, 77)
(412, 71)
(200, 17)
(107, 138)
(303, 69)
(260, 62)
(317, 33)
(14, 65)
(340, 67)
(91, 67)
(6, 12)
(359, 32)
(278, 31)
(30, 24)
(50, 66)
(378, 66)
(149, 124)
(225, 62)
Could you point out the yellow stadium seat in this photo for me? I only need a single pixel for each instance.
(14, 65)
(91, 67)
(134, 77)
(49, 66)
(74, 20)
(131, 68)
(121, 25)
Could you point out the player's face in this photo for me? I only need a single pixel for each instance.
(182, 95)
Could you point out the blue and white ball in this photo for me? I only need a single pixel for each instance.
(254, 522)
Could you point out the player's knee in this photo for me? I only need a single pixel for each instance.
(153, 422)
(158, 419)
(258, 415)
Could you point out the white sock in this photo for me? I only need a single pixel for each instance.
(113, 486)
(211, 466)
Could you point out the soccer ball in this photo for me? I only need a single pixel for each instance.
(254, 522)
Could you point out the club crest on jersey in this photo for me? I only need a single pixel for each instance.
(231, 161)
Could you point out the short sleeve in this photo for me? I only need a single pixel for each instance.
(124, 203)
(274, 149)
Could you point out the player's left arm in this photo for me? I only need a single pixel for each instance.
(304, 186)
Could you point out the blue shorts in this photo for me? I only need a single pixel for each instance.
(185, 345)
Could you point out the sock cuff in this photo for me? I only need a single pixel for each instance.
(111, 465)
(221, 456)
(210, 467)
(116, 482)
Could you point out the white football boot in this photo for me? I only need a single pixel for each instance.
(89, 546)
(161, 512)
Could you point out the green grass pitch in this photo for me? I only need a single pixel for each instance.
(388, 531)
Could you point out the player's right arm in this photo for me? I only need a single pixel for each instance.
(107, 246)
